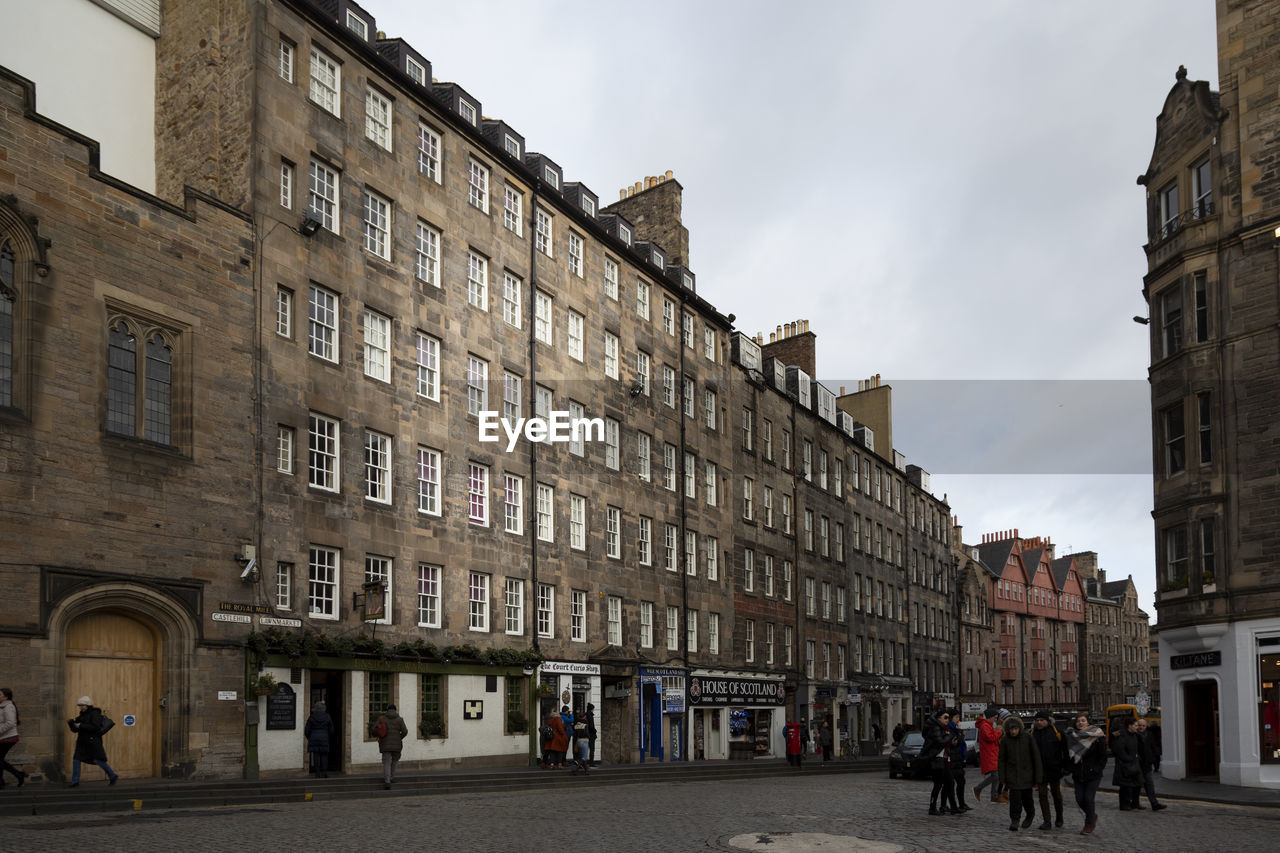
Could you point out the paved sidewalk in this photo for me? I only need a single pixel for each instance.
(1208, 792)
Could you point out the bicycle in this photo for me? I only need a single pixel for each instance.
(849, 748)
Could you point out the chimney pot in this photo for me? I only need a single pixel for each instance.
(841, 390)
(669, 174)
(773, 337)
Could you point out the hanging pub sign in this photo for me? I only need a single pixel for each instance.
(736, 691)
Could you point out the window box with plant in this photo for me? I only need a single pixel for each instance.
(431, 726)
(264, 684)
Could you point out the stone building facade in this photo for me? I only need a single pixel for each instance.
(1038, 603)
(1212, 213)
(1102, 654)
(126, 454)
(978, 652)
(363, 267)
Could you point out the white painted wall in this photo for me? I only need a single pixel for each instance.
(281, 749)
(93, 72)
(466, 738)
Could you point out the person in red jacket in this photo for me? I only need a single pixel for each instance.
(988, 753)
(793, 734)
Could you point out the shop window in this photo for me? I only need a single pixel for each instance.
(1269, 708)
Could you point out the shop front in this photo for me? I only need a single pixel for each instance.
(572, 683)
(660, 716)
(736, 716)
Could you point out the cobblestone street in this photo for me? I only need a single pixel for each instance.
(778, 815)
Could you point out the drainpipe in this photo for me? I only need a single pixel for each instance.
(531, 499)
(684, 519)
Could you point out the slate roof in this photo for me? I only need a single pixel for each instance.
(994, 555)
(1061, 568)
(1031, 559)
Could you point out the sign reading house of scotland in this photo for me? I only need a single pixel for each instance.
(570, 668)
(735, 691)
(1195, 661)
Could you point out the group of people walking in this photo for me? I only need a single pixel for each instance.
(1016, 763)
(565, 729)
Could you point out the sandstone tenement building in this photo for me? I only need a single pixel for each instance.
(1213, 225)
(262, 467)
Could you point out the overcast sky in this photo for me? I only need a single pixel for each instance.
(945, 190)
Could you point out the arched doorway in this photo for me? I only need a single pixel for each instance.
(113, 659)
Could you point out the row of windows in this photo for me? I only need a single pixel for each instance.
(323, 601)
(1178, 542)
(827, 473)
(1014, 591)
(323, 324)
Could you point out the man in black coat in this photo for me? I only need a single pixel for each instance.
(1053, 757)
(1127, 775)
(1147, 763)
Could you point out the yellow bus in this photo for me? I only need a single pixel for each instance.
(1118, 716)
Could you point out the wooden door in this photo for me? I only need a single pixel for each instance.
(112, 658)
(1200, 724)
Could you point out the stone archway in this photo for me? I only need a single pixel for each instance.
(148, 640)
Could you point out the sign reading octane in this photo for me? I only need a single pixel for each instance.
(735, 691)
(559, 428)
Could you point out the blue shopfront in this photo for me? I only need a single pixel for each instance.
(660, 723)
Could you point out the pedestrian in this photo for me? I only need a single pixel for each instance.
(1155, 739)
(1087, 746)
(591, 734)
(1001, 794)
(898, 733)
(88, 728)
(547, 733)
(9, 720)
(988, 753)
(828, 740)
(391, 743)
(1053, 758)
(558, 744)
(581, 742)
(319, 733)
(1127, 775)
(793, 737)
(877, 734)
(934, 751)
(1147, 763)
(1020, 771)
(959, 757)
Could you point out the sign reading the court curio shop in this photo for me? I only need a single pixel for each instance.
(1195, 661)
(735, 691)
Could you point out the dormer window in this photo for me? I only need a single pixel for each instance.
(1169, 209)
(1202, 189)
(688, 281)
(357, 25)
(468, 111)
(417, 73)
(512, 145)
(624, 234)
(551, 177)
(657, 260)
(589, 206)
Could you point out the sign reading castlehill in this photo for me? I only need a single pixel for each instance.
(736, 691)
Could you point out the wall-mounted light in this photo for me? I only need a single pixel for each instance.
(1143, 320)
(310, 225)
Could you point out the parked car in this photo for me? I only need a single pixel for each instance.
(971, 745)
(904, 759)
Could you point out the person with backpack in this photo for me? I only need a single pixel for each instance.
(555, 742)
(89, 726)
(1020, 771)
(1054, 759)
(8, 735)
(390, 730)
(581, 744)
